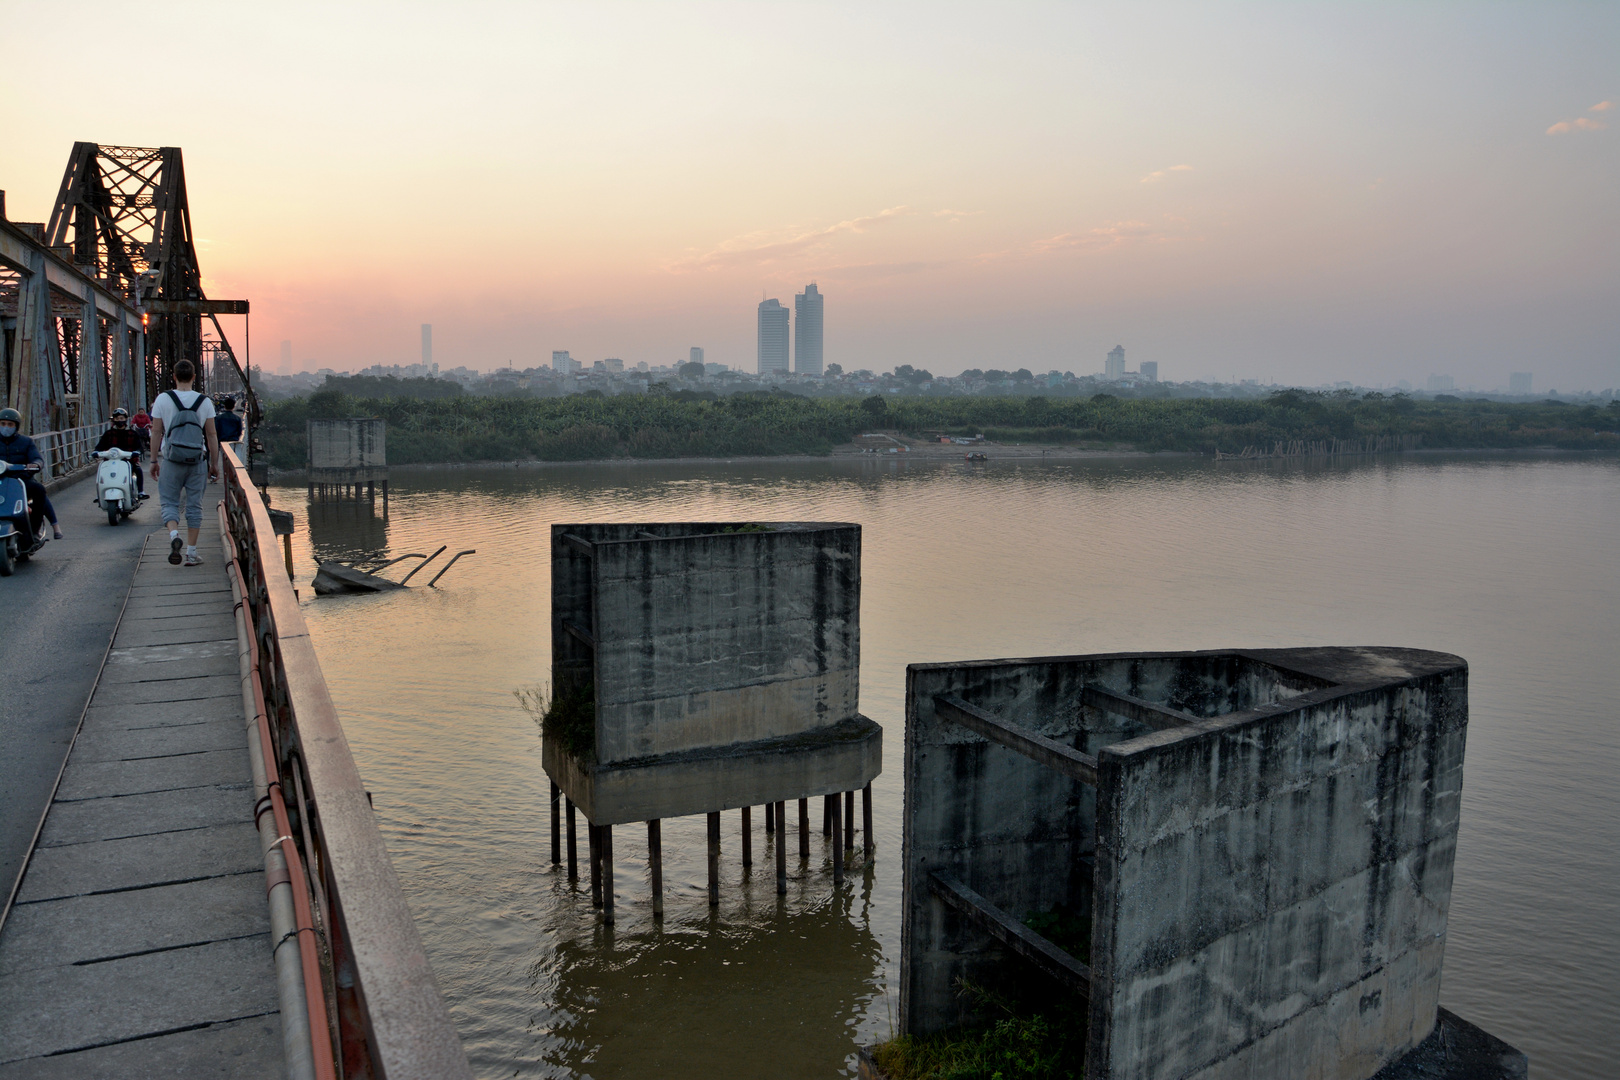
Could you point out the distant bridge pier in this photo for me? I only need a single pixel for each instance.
(348, 459)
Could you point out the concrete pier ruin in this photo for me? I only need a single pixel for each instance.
(347, 458)
(1253, 851)
(700, 667)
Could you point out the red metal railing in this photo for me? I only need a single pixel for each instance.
(368, 984)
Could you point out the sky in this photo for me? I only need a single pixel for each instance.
(1298, 192)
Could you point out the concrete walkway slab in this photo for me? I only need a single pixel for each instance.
(139, 944)
(123, 816)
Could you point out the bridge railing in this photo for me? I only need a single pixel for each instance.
(385, 1014)
(66, 452)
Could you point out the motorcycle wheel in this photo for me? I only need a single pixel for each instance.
(112, 515)
(7, 564)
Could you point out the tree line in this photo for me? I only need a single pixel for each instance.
(464, 428)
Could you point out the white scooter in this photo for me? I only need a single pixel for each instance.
(115, 484)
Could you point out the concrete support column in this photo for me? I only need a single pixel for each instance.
(604, 853)
(827, 802)
(770, 818)
(573, 846)
(714, 859)
(868, 844)
(655, 862)
(781, 853)
(747, 836)
(849, 821)
(556, 825)
(804, 828)
(594, 856)
(838, 848)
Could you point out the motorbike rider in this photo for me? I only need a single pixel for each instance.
(18, 449)
(120, 436)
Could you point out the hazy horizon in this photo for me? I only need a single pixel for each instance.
(1279, 192)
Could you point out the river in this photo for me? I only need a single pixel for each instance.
(1511, 562)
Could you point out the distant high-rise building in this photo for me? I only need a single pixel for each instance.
(696, 355)
(1150, 370)
(562, 363)
(1114, 369)
(613, 363)
(1441, 383)
(286, 356)
(773, 337)
(427, 344)
(807, 331)
(1519, 383)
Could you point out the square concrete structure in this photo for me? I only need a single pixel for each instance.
(725, 658)
(350, 451)
(1262, 841)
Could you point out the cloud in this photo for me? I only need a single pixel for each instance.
(956, 215)
(1160, 174)
(874, 271)
(1582, 123)
(748, 250)
(1103, 236)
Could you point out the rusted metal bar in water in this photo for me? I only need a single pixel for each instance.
(452, 562)
(604, 846)
(781, 853)
(655, 862)
(423, 563)
(868, 844)
(838, 848)
(747, 836)
(556, 825)
(804, 828)
(573, 845)
(714, 859)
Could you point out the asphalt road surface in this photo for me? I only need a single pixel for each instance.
(57, 614)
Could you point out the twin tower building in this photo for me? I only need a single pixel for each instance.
(773, 334)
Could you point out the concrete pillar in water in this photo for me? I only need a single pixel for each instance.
(556, 824)
(804, 828)
(770, 818)
(781, 852)
(604, 848)
(827, 802)
(747, 836)
(573, 846)
(838, 848)
(849, 821)
(867, 843)
(595, 857)
(714, 859)
(655, 862)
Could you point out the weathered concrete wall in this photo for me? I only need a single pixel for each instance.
(1270, 885)
(1273, 885)
(705, 638)
(725, 664)
(355, 443)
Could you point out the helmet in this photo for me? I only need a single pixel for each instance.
(11, 414)
(116, 413)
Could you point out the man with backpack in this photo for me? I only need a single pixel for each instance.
(187, 458)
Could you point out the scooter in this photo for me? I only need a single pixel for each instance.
(116, 492)
(22, 523)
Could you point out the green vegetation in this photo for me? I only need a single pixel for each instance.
(568, 717)
(1017, 1045)
(389, 386)
(1068, 930)
(659, 425)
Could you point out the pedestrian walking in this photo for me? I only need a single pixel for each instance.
(187, 458)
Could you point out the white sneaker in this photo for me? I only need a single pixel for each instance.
(193, 559)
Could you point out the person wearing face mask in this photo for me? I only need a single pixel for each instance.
(18, 449)
(120, 436)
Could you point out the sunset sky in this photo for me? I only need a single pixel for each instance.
(1292, 192)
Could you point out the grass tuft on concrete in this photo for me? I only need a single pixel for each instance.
(568, 717)
(1018, 1045)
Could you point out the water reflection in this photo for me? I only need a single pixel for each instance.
(345, 529)
(1508, 562)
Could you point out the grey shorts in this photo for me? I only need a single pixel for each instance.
(182, 481)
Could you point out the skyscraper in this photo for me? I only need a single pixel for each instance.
(696, 355)
(286, 357)
(1150, 370)
(807, 331)
(773, 337)
(1114, 369)
(427, 345)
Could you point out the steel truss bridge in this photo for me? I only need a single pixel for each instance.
(99, 303)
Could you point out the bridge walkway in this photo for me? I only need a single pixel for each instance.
(139, 944)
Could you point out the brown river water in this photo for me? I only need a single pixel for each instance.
(1511, 562)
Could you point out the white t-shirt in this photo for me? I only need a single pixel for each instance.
(163, 409)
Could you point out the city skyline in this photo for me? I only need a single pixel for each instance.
(1306, 194)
